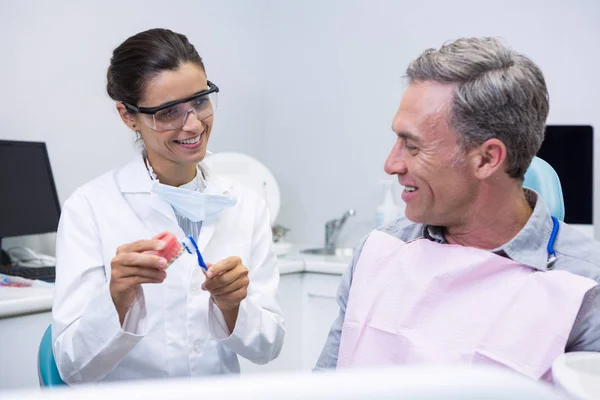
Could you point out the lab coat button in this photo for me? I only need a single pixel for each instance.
(197, 346)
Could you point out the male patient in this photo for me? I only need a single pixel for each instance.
(478, 271)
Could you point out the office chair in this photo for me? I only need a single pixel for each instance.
(542, 178)
(47, 371)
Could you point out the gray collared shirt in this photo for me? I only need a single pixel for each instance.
(576, 253)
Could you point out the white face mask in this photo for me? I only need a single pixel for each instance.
(191, 204)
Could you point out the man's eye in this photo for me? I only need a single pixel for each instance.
(408, 146)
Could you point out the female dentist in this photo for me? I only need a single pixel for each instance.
(118, 312)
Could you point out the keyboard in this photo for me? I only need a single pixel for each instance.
(42, 273)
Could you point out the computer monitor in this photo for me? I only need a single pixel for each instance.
(570, 151)
(28, 200)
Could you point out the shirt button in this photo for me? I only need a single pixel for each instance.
(195, 289)
(197, 346)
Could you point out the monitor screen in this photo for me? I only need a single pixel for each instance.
(28, 200)
(570, 151)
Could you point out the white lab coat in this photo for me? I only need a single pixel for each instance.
(173, 328)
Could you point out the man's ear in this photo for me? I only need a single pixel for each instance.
(127, 117)
(490, 157)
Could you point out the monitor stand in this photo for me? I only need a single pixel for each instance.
(4, 258)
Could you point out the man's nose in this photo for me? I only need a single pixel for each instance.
(395, 163)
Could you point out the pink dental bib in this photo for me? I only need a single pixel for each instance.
(422, 302)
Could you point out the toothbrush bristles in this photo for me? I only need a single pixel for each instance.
(179, 253)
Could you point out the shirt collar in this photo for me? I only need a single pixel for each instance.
(529, 246)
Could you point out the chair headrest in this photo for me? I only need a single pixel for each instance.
(542, 178)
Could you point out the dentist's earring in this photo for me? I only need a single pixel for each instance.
(133, 126)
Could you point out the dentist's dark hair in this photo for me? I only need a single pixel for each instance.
(143, 56)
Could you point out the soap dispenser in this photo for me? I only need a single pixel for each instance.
(388, 210)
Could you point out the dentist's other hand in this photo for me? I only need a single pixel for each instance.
(227, 282)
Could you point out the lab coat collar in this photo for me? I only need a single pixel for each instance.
(134, 178)
(135, 183)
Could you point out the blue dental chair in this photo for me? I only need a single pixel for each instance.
(542, 178)
(47, 372)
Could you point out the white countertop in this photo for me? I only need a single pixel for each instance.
(295, 261)
(27, 300)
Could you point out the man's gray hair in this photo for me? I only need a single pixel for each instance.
(500, 94)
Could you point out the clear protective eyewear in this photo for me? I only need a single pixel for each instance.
(174, 114)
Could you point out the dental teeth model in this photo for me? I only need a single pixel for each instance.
(172, 250)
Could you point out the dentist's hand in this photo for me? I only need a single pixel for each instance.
(130, 268)
(227, 282)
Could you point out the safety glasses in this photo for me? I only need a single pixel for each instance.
(174, 114)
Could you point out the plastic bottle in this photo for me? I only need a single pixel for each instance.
(401, 206)
(387, 210)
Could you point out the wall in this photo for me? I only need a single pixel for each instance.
(308, 87)
(53, 77)
(335, 83)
